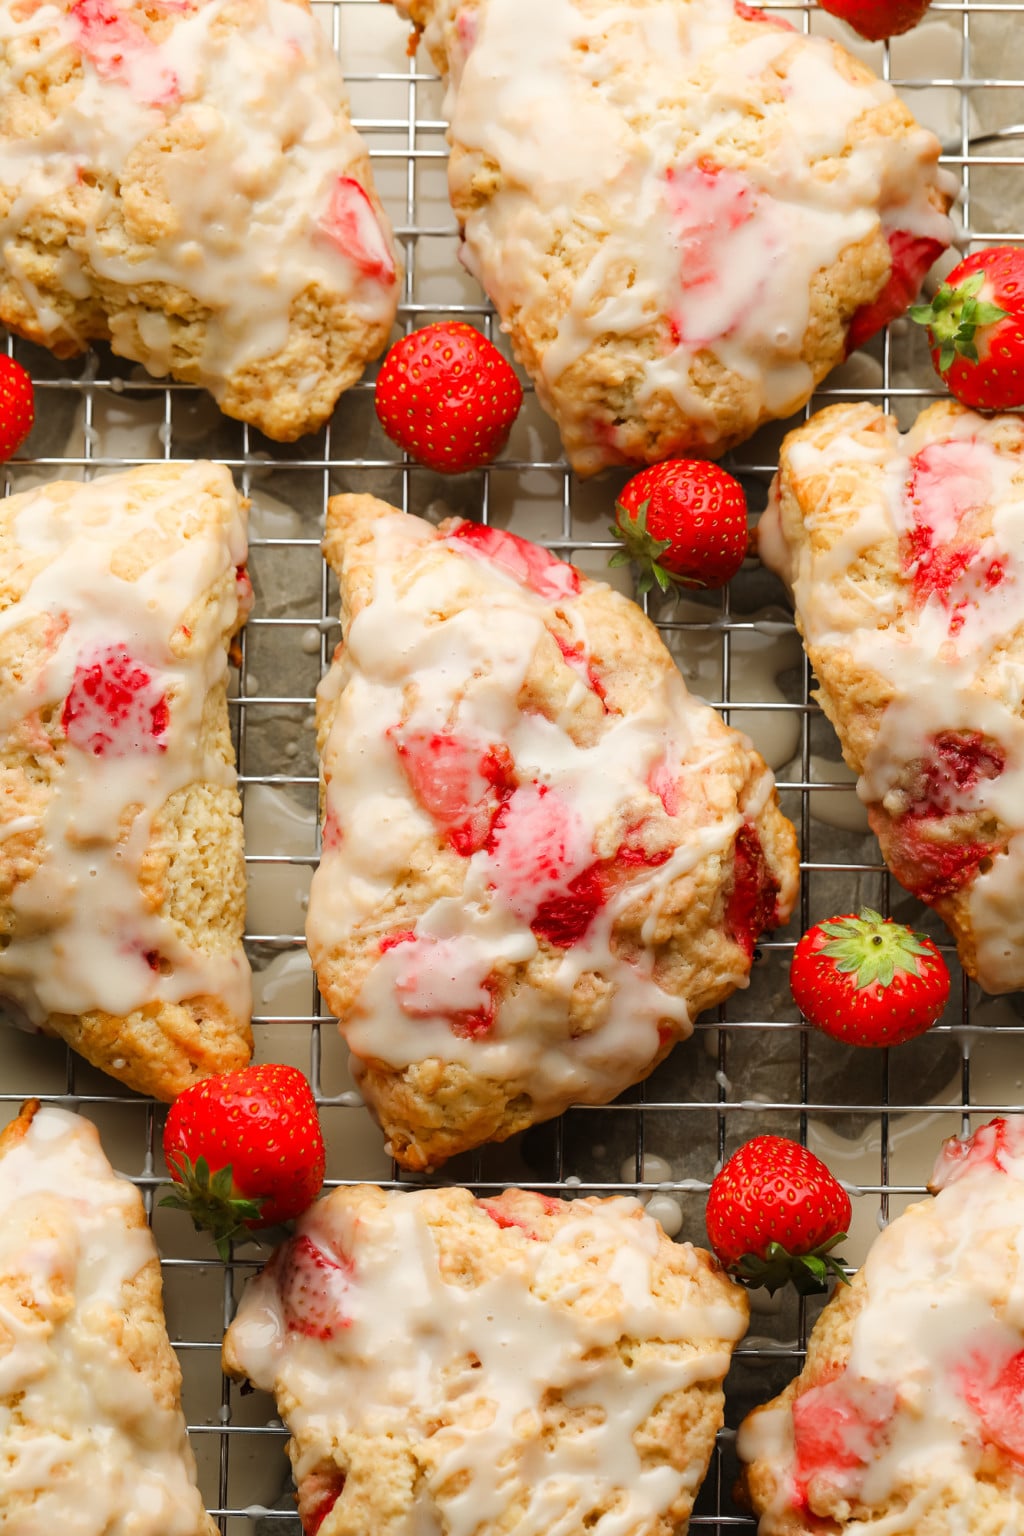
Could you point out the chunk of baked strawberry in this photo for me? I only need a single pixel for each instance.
(460, 783)
(995, 1146)
(837, 1429)
(440, 978)
(912, 256)
(538, 846)
(751, 907)
(582, 664)
(991, 1382)
(350, 222)
(530, 564)
(664, 781)
(314, 1287)
(115, 707)
(119, 49)
(317, 1495)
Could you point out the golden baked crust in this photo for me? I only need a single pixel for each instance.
(904, 554)
(92, 1435)
(685, 212)
(541, 1362)
(184, 182)
(122, 883)
(541, 858)
(906, 1415)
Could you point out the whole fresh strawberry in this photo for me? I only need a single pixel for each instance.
(17, 406)
(683, 521)
(868, 980)
(775, 1214)
(246, 1150)
(976, 327)
(447, 396)
(876, 19)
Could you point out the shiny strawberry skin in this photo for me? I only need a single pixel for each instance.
(976, 326)
(17, 406)
(868, 981)
(773, 1207)
(877, 19)
(684, 521)
(257, 1133)
(447, 397)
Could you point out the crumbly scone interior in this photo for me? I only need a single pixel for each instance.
(517, 1361)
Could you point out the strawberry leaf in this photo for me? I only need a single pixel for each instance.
(211, 1201)
(954, 316)
(871, 948)
(809, 1273)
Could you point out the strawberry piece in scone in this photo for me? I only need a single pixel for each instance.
(484, 1344)
(115, 707)
(907, 1415)
(907, 595)
(532, 883)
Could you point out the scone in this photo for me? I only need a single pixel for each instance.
(519, 1364)
(684, 211)
(541, 857)
(182, 180)
(92, 1437)
(122, 881)
(906, 1419)
(905, 556)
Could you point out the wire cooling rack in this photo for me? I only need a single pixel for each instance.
(878, 1118)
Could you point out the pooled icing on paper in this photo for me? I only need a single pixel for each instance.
(584, 110)
(82, 936)
(81, 1432)
(404, 680)
(276, 208)
(404, 1335)
(931, 1385)
(942, 637)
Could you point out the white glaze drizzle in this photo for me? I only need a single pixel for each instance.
(394, 1368)
(614, 118)
(81, 1434)
(249, 230)
(81, 930)
(944, 1315)
(400, 663)
(931, 661)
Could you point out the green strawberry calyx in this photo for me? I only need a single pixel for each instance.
(211, 1200)
(871, 948)
(953, 317)
(809, 1273)
(641, 547)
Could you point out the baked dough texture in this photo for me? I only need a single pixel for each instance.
(685, 211)
(182, 180)
(488, 1366)
(905, 556)
(122, 880)
(92, 1437)
(906, 1419)
(541, 857)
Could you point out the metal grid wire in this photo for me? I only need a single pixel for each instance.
(752, 1066)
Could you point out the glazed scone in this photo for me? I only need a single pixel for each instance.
(906, 1418)
(122, 882)
(183, 180)
(541, 857)
(518, 1364)
(905, 556)
(684, 211)
(92, 1437)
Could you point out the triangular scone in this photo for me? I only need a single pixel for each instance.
(541, 857)
(122, 882)
(92, 1437)
(685, 211)
(182, 180)
(905, 555)
(906, 1418)
(519, 1364)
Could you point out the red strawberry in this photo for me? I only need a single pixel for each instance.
(115, 707)
(867, 980)
(247, 1150)
(17, 406)
(976, 326)
(447, 396)
(313, 1285)
(682, 521)
(875, 19)
(775, 1213)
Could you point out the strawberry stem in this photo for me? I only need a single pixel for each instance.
(808, 1273)
(872, 948)
(211, 1201)
(641, 547)
(953, 317)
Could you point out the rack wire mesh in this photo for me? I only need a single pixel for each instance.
(878, 1118)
